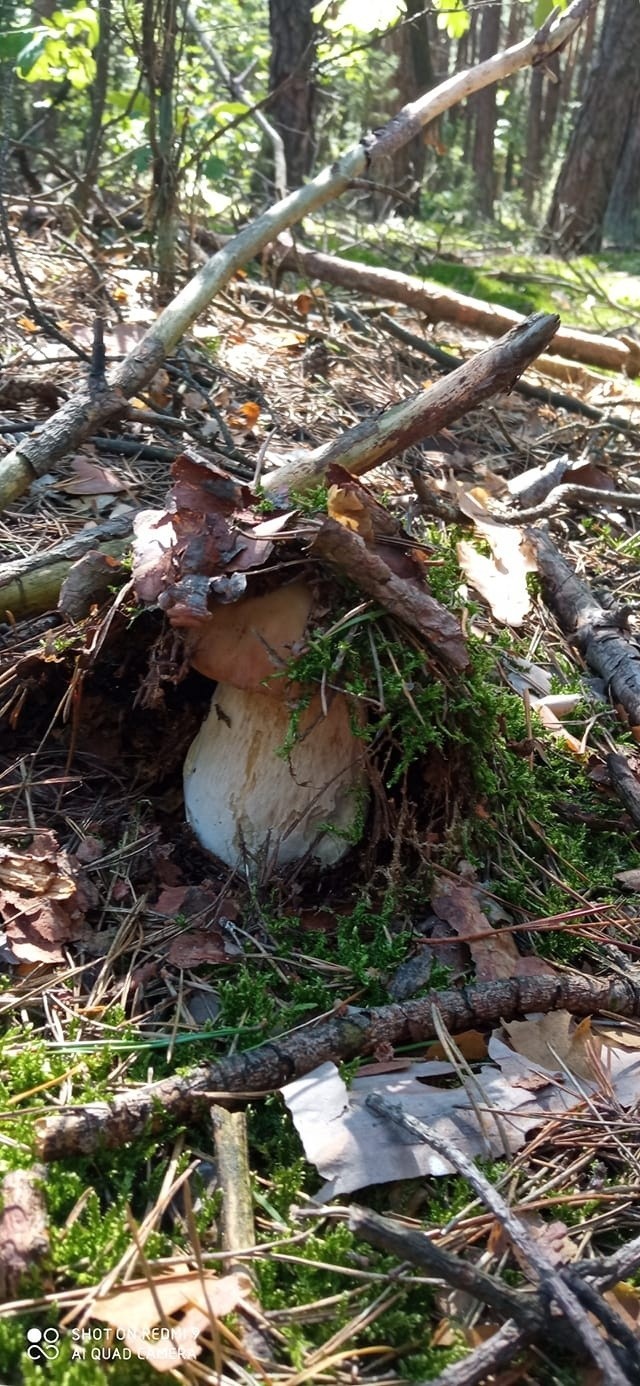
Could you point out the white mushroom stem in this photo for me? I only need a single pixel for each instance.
(246, 801)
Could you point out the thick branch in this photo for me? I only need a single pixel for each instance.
(444, 305)
(268, 1067)
(31, 585)
(389, 433)
(77, 419)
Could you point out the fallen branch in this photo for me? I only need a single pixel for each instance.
(448, 361)
(597, 632)
(79, 415)
(440, 305)
(146, 1110)
(29, 586)
(390, 432)
(608, 1358)
(339, 546)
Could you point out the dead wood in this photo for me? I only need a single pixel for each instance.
(147, 1109)
(29, 586)
(392, 431)
(402, 597)
(610, 1358)
(440, 305)
(79, 415)
(238, 1227)
(575, 497)
(625, 783)
(420, 1249)
(24, 1238)
(448, 361)
(526, 1312)
(599, 633)
(500, 1350)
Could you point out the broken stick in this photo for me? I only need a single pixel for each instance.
(145, 1110)
(390, 432)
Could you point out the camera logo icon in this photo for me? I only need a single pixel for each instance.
(44, 1344)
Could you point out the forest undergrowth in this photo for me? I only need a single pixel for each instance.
(490, 790)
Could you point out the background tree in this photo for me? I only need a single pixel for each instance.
(604, 128)
(485, 107)
(291, 81)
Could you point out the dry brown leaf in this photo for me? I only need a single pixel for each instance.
(37, 874)
(619, 1036)
(494, 953)
(502, 579)
(472, 1044)
(347, 508)
(92, 480)
(554, 1039)
(136, 1310)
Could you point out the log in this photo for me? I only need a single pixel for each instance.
(79, 416)
(388, 433)
(146, 1110)
(29, 586)
(444, 305)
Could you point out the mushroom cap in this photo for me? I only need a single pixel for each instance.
(247, 642)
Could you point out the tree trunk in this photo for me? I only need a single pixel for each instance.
(97, 97)
(292, 104)
(485, 112)
(622, 222)
(415, 75)
(159, 26)
(581, 197)
(533, 156)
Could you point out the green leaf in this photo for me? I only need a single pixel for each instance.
(453, 18)
(14, 42)
(214, 167)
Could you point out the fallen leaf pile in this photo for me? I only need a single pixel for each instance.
(43, 898)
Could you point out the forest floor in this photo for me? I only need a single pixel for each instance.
(498, 843)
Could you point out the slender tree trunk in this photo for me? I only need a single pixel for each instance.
(415, 75)
(98, 97)
(159, 28)
(485, 113)
(622, 222)
(291, 80)
(533, 156)
(581, 197)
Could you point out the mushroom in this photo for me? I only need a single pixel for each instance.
(245, 798)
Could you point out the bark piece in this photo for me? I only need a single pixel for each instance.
(77, 418)
(388, 433)
(107, 1125)
(24, 1238)
(403, 598)
(597, 632)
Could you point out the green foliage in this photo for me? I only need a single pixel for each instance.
(61, 48)
(453, 17)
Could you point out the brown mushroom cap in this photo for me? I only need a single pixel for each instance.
(251, 640)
